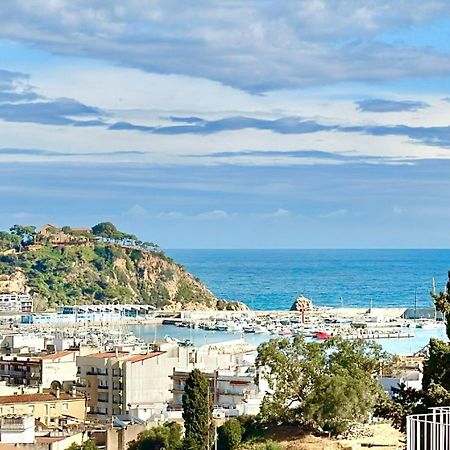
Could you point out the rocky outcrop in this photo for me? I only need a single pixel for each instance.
(223, 305)
(16, 282)
(302, 303)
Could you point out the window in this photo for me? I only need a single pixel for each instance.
(65, 406)
(11, 409)
(31, 409)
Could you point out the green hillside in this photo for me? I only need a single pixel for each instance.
(98, 265)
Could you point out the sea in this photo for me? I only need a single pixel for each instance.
(272, 279)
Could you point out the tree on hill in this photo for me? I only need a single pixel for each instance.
(9, 241)
(25, 232)
(197, 412)
(109, 230)
(324, 385)
(166, 436)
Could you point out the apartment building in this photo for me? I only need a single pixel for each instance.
(39, 370)
(50, 408)
(17, 429)
(16, 302)
(235, 391)
(116, 382)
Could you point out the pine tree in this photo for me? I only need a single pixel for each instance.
(197, 412)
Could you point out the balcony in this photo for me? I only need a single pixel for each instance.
(429, 431)
(101, 386)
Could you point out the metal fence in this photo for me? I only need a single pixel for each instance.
(429, 431)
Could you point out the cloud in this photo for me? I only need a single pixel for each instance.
(253, 45)
(438, 136)
(279, 212)
(55, 112)
(216, 214)
(336, 213)
(283, 125)
(382, 105)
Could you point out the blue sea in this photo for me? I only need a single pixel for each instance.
(272, 279)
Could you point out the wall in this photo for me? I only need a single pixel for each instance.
(46, 411)
(61, 369)
(148, 381)
(119, 438)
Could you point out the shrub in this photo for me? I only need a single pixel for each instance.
(229, 435)
(270, 445)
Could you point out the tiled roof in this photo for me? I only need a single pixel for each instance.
(36, 398)
(137, 358)
(106, 355)
(58, 354)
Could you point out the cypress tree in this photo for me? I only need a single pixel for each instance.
(197, 412)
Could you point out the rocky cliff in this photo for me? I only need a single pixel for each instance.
(101, 272)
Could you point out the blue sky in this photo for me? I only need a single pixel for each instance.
(240, 124)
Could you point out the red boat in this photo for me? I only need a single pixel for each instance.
(322, 335)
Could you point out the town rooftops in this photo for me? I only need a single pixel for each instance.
(127, 357)
(37, 398)
(57, 355)
(137, 358)
(106, 355)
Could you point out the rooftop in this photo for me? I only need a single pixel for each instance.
(36, 398)
(137, 358)
(58, 354)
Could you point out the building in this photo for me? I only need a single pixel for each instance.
(57, 236)
(115, 382)
(412, 379)
(16, 302)
(17, 429)
(51, 408)
(40, 371)
(235, 392)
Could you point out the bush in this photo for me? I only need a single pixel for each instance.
(270, 445)
(251, 428)
(229, 435)
(166, 436)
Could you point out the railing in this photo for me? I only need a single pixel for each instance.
(429, 431)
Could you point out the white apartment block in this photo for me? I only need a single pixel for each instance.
(116, 382)
(234, 392)
(16, 302)
(39, 371)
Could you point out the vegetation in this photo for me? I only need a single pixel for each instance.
(105, 265)
(166, 436)
(229, 435)
(197, 412)
(325, 385)
(436, 375)
(88, 445)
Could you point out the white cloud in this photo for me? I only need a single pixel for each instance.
(334, 214)
(216, 214)
(301, 43)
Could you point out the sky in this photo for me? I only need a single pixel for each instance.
(231, 124)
